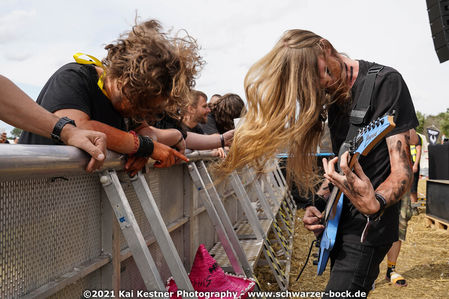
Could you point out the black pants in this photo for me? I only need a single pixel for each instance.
(354, 268)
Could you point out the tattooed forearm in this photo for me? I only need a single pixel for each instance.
(401, 174)
(407, 138)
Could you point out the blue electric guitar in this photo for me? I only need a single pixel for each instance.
(365, 139)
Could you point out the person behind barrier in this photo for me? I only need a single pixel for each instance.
(188, 126)
(194, 141)
(213, 99)
(222, 114)
(405, 215)
(196, 115)
(289, 92)
(144, 73)
(21, 111)
(197, 112)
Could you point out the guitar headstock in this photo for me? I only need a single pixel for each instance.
(368, 136)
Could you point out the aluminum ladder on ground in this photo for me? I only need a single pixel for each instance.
(133, 234)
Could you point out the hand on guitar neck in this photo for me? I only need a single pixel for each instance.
(354, 184)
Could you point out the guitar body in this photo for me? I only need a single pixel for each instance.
(328, 237)
(361, 144)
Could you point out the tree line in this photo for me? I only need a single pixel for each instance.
(439, 122)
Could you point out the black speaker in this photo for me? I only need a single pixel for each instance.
(439, 161)
(438, 11)
(437, 203)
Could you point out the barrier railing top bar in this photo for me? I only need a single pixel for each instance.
(26, 159)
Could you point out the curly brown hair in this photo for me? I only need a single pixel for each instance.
(227, 108)
(148, 63)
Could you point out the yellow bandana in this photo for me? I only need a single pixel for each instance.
(96, 62)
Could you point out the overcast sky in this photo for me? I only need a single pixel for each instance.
(39, 36)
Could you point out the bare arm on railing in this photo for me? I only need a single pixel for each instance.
(206, 142)
(124, 142)
(170, 137)
(21, 111)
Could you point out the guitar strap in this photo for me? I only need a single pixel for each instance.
(358, 114)
(358, 119)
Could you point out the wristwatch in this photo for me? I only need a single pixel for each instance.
(56, 134)
(383, 203)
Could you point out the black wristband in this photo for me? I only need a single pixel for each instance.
(222, 141)
(146, 146)
(382, 203)
(57, 129)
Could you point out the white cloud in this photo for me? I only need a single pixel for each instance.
(233, 35)
(14, 25)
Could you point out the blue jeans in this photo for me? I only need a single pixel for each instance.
(354, 268)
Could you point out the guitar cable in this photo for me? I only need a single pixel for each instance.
(307, 260)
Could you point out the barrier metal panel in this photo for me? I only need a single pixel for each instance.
(49, 225)
(52, 213)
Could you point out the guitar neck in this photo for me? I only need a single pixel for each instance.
(331, 203)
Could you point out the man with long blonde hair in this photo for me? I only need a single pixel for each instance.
(290, 92)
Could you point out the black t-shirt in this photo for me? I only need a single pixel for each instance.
(196, 129)
(210, 127)
(168, 122)
(390, 93)
(74, 86)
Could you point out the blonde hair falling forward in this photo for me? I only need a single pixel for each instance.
(287, 107)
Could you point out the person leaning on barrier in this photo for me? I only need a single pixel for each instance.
(213, 99)
(144, 73)
(191, 140)
(21, 111)
(196, 115)
(196, 112)
(222, 114)
(290, 92)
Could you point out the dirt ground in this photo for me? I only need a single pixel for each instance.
(423, 261)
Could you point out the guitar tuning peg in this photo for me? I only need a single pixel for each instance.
(315, 255)
(315, 262)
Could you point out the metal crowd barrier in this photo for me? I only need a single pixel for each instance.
(59, 235)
